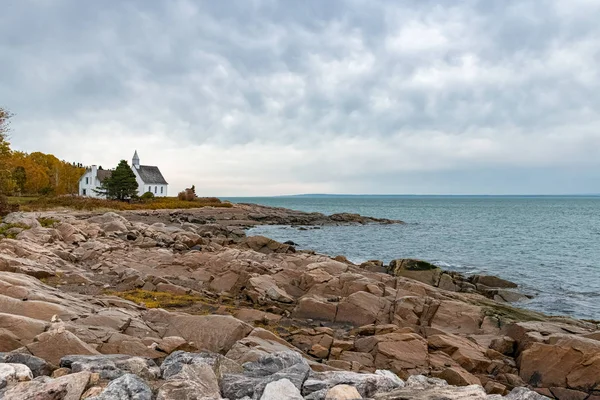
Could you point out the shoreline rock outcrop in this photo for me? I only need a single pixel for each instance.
(170, 305)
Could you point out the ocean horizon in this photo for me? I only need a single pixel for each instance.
(548, 244)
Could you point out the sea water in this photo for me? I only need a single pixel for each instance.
(549, 245)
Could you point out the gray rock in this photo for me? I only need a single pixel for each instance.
(282, 389)
(523, 393)
(14, 373)
(473, 392)
(219, 363)
(424, 382)
(193, 381)
(366, 384)
(175, 361)
(38, 366)
(68, 387)
(112, 366)
(127, 387)
(268, 368)
(395, 380)
(318, 395)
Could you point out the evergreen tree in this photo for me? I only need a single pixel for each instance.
(121, 185)
(20, 177)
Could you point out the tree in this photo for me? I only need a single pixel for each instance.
(6, 182)
(20, 177)
(121, 185)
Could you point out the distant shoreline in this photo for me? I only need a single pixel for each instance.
(329, 196)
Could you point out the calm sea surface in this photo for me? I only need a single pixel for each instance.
(548, 245)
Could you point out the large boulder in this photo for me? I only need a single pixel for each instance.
(343, 392)
(112, 366)
(258, 344)
(362, 308)
(262, 289)
(68, 387)
(13, 373)
(466, 353)
(37, 365)
(282, 389)
(564, 361)
(192, 381)
(176, 361)
(403, 353)
(269, 368)
(310, 307)
(57, 343)
(457, 317)
(128, 386)
(216, 333)
(319, 383)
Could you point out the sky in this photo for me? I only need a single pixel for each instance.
(265, 97)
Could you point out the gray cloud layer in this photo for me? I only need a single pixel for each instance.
(272, 97)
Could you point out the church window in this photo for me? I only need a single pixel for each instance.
(87, 180)
(155, 189)
(161, 189)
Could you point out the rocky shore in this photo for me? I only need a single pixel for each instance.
(181, 304)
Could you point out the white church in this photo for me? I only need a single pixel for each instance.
(149, 179)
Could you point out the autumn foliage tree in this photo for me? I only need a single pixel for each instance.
(6, 182)
(35, 173)
(121, 185)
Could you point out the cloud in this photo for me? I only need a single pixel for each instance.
(270, 97)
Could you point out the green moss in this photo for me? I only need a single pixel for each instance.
(506, 313)
(47, 222)
(412, 265)
(4, 228)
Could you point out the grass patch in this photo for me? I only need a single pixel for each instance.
(86, 203)
(159, 299)
(4, 229)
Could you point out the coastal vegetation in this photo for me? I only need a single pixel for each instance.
(87, 203)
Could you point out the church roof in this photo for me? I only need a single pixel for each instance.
(151, 174)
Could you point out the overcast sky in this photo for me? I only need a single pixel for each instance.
(255, 97)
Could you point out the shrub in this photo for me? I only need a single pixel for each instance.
(187, 195)
(147, 196)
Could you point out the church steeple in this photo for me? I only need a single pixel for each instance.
(136, 160)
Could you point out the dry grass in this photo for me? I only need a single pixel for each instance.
(86, 203)
(21, 199)
(159, 299)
